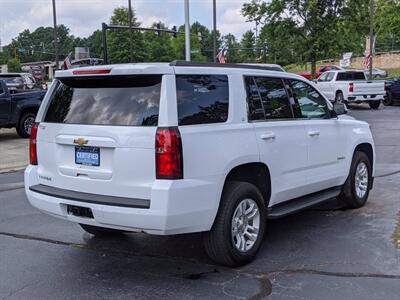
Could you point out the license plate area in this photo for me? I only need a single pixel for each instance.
(88, 156)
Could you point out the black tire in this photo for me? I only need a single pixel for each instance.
(25, 124)
(100, 231)
(374, 104)
(339, 97)
(388, 100)
(218, 242)
(349, 196)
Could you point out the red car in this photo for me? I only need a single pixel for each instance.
(320, 70)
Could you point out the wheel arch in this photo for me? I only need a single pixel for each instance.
(256, 173)
(27, 109)
(368, 149)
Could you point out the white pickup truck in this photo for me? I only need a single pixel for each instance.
(351, 87)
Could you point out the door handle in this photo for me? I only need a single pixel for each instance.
(268, 136)
(313, 133)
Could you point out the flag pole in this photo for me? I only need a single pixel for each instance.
(215, 30)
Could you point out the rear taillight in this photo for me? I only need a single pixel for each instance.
(32, 145)
(351, 87)
(169, 158)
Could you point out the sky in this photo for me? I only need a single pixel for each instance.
(85, 16)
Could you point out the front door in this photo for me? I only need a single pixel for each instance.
(281, 139)
(326, 162)
(5, 107)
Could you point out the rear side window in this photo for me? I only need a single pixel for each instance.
(267, 99)
(350, 76)
(109, 100)
(202, 99)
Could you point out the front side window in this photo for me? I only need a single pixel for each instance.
(322, 77)
(202, 99)
(109, 100)
(311, 103)
(329, 76)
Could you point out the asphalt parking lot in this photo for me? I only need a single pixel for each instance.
(323, 253)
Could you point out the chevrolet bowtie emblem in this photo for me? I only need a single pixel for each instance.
(80, 141)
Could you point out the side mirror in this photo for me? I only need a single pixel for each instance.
(315, 80)
(339, 109)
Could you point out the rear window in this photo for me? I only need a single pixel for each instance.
(110, 100)
(350, 76)
(202, 99)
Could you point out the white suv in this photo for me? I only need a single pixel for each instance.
(189, 147)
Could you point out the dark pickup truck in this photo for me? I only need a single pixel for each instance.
(19, 109)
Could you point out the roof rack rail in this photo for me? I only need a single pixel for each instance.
(183, 63)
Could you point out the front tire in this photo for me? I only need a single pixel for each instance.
(239, 227)
(374, 104)
(25, 125)
(100, 231)
(358, 184)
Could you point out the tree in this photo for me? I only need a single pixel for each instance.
(13, 65)
(232, 45)
(248, 43)
(159, 45)
(118, 40)
(315, 22)
(387, 24)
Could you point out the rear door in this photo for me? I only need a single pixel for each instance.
(281, 139)
(97, 135)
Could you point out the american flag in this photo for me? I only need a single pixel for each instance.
(367, 60)
(68, 61)
(221, 55)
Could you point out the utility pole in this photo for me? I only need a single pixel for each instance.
(55, 34)
(130, 32)
(215, 30)
(371, 36)
(187, 31)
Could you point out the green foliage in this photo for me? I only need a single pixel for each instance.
(14, 65)
(118, 40)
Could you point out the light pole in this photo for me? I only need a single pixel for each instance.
(187, 31)
(130, 32)
(55, 33)
(215, 30)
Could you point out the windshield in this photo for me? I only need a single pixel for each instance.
(12, 79)
(111, 100)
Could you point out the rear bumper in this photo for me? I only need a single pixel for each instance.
(364, 98)
(175, 207)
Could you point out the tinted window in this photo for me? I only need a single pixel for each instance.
(255, 107)
(350, 76)
(267, 98)
(202, 99)
(111, 100)
(311, 103)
